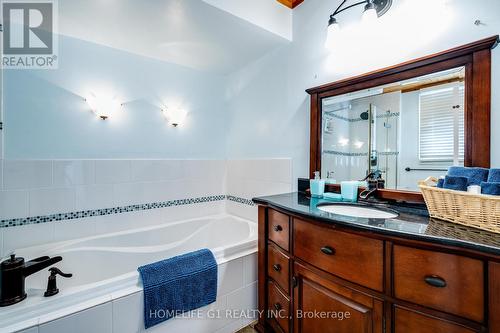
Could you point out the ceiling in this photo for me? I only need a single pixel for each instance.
(191, 33)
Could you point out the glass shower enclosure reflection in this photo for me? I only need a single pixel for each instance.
(360, 136)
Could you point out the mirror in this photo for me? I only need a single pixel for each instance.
(405, 131)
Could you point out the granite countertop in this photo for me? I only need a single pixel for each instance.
(413, 222)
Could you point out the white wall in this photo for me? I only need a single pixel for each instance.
(46, 116)
(269, 15)
(269, 107)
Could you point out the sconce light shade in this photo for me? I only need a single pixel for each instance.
(103, 107)
(332, 32)
(175, 117)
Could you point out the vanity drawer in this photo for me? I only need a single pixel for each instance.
(408, 321)
(355, 258)
(279, 228)
(442, 281)
(279, 307)
(278, 267)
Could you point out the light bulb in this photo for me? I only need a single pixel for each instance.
(175, 117)
(102, 106)
(370, 14)
(332, 33)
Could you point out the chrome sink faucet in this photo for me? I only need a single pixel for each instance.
(375, 182)
(14, 271)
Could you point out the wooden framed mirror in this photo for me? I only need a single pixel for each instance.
(407, 121)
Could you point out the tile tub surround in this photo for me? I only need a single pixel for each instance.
(79, 198)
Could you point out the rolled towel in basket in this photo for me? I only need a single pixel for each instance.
(494, 176)
(440, 182)
(490, 188)
(475, 175)
(456, 183)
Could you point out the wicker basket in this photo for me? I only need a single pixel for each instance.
(475, 210)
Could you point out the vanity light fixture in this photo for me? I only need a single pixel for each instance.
(176, 116)
(103, 107)
(373, 10)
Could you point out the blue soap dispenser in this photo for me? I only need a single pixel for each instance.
(317, 186)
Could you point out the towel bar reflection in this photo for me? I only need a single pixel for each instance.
(408, 169)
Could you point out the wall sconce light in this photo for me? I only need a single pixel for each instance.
(176, 116)
(103, 107)
(373, 10)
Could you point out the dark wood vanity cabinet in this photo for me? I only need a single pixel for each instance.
(322, 305)
(319, 277)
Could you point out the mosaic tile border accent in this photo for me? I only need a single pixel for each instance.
(118, 210)
(240, 200)
(383, 153)
(353, 120)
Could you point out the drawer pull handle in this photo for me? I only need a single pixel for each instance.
(277, 306)
(278, 228)
(327, 250)
(277, 267)
(435, 281)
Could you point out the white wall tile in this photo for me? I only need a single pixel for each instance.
(244, 298)
(250, 267)
(230, 276)
(94, 197)
(96, 319)
(272, 170)
(127, 221)
(26, 174)
(177, 213)
(128, 315)
(156, 170)
(204, 169)
(13, 204)
(73, 229)
(112, 171)
(71, 173)
(241, 210)
(50, 201)
(27, 235)
(251, 178)
(129, 194)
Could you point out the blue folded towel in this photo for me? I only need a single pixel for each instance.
(178, 284)
(490, 188)
(475, 175)
(494, 176)
(456, 183)
(440, 182)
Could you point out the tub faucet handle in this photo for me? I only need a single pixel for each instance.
(52, 282)
(54, 271)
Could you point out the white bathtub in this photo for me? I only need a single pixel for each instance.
(104, 267)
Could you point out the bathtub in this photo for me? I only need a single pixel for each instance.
(104, 268)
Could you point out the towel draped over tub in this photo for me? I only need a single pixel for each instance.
(177, 285)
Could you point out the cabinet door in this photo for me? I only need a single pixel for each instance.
(407, 321)
(323, 306)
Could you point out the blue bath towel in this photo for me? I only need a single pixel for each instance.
(494, 176)
(490, 188)
(177, 285)
(440, 183)
(475, 175)
(456, 183)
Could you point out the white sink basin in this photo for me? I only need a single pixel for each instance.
(355, 211)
